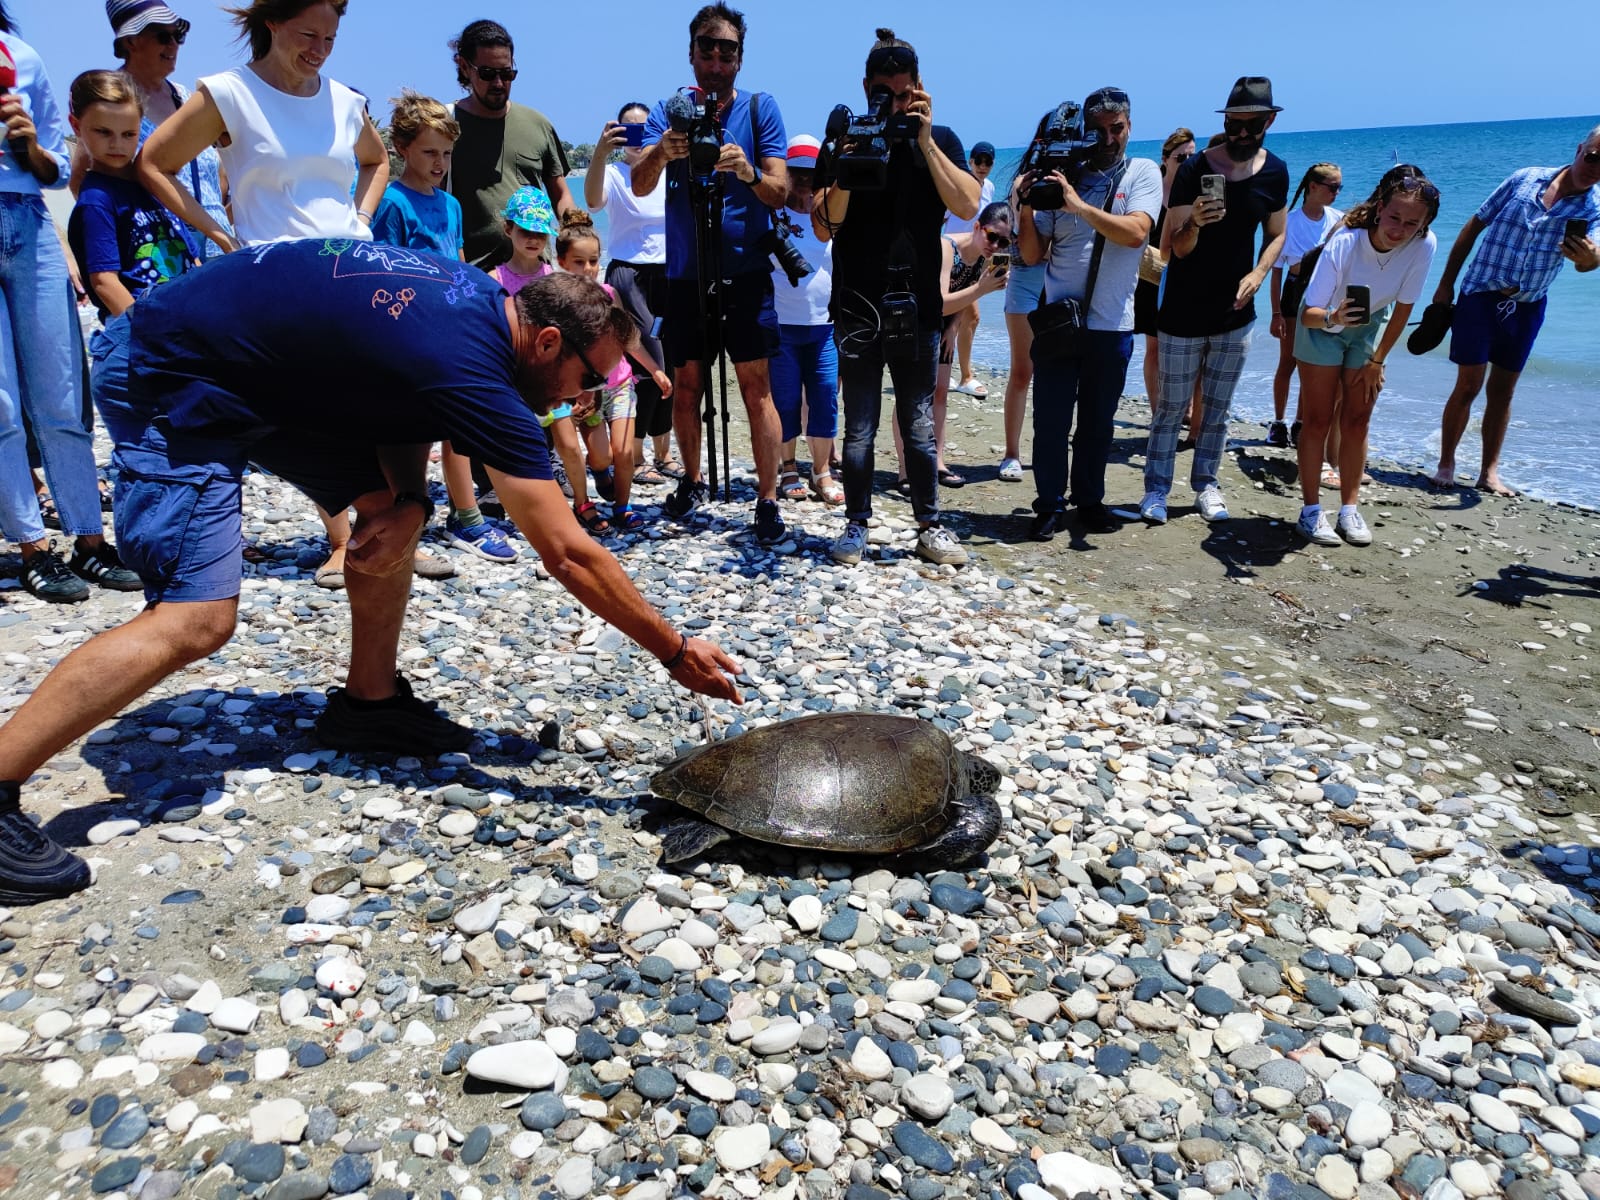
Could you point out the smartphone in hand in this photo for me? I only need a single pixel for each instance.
(1000, 262)
(1361, 296)
(1213, 187)
(1577, 227)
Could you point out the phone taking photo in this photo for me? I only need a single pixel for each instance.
(1577, 227)
(1213, 187)
(1361, 296)
(1001, 262)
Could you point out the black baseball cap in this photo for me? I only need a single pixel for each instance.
(982, 150)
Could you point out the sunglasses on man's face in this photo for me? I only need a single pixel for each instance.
(490, 74)
(726, 49)
(592, 380)
(983, 162)
(1592, 157)
(1233, 126)
(169, 37)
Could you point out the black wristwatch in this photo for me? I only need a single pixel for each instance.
(416, 498)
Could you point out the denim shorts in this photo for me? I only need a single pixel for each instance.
(749, 332)
(178, 503)
(1350, 347)
(1490, 327)
(1023, 285)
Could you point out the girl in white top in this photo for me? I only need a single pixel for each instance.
(638, 272)
(291, 142)
(1384, 246)
(1307, 227)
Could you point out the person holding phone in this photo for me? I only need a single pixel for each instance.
(1361, 292)
(1091, 247)
(1537, 219)
(1220, 198)
(638, 272)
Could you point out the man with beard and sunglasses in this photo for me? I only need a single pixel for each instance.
(359, 357)
(1208, 304)
(1530, 225)
(502, 147)
(749, 178)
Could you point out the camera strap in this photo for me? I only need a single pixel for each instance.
(1099, 243)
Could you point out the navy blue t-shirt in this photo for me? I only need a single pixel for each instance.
(119, 228)
(374, 344)
(745, 219)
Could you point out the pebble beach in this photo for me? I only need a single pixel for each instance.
(1248, 932)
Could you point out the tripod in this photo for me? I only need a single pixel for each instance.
(705, 199)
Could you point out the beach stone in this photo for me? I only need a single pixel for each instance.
(349, 1173)
(236, 1015)
(543, 1111)
(922, 1148)
(527, 1064)
(717, 1088)
(655, 1083)
(1069, 1175)
(742, 1147)
(1368, 1124)
(927, 1097)
(477, 1142)
(171, 1047)
(869, 1061)
(1537, 1005)
(779, 1037)
(259, 1163)
(1337, 1177)
(282, 1120)
(299, 1185)
(118, 1173)
(131, 1125)
(1494, 1112)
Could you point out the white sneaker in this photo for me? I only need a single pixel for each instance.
(938, 545)
(1210, 503)
(848, 547)
(1011, 469)
(1353, 529)
(1317, 531)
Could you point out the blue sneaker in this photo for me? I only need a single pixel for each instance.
(483, 539)
(1153, 508)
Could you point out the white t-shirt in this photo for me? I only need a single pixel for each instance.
(638, 223)
(291, 160)
(1395, 276)
(1072, 246)
(808, 303)
(954, 225)
(1301, 234)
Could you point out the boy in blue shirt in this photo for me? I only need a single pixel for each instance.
(418, 213)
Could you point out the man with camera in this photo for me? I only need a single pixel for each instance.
(723, 151)
(890, 175)
(1220, 197)
(1091, 241)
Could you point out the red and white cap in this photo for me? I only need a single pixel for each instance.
(803, 150)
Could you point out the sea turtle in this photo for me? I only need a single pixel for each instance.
(863, 783)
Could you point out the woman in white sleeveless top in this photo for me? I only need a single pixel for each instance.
(292, 142)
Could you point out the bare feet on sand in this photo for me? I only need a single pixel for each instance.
(1491, 482)
(1445, 476)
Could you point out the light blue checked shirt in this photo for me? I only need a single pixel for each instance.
(1521, 248)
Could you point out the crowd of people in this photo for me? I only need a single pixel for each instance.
(271, 295)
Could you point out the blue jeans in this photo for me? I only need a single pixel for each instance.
(41, 374)
(806, 367)
(861, 386)
(1091, 383)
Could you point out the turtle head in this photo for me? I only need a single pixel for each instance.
(974, 825)
(983, 777)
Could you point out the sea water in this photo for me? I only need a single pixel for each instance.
(1553, 445)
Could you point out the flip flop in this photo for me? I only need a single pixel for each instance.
(329, 577)
(1431, 329)
(648, 475)
(949, 479)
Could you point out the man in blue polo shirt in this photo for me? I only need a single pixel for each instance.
(750, 178)
(335, 365)
(1525, 223)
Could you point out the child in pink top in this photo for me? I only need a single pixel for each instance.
(578, 253)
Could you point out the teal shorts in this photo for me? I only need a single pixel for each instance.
(1350, 347)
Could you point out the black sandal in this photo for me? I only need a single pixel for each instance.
(592, 519)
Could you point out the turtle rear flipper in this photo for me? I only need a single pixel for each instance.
(974, 825)
(689, 838)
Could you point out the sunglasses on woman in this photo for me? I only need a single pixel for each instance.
(168, 37)
(996, 239)
(727, 49)
(490, 74)
(1335, 188)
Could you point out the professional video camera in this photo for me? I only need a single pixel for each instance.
(859, 145)
(1063, 144)
(694, 112)
(779, 243)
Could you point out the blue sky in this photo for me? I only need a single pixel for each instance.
(1417, 63)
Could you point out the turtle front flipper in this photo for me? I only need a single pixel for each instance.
(974, 825)
(689, 838)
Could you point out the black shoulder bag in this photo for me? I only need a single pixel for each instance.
(1058, 328)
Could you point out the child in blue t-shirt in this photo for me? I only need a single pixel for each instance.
(124, 241)
(417, 212)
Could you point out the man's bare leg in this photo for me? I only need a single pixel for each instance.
(1496, 420)
(1453, 422)
(105, 674)
(686, 417)
(377, 611)
(766, 430)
